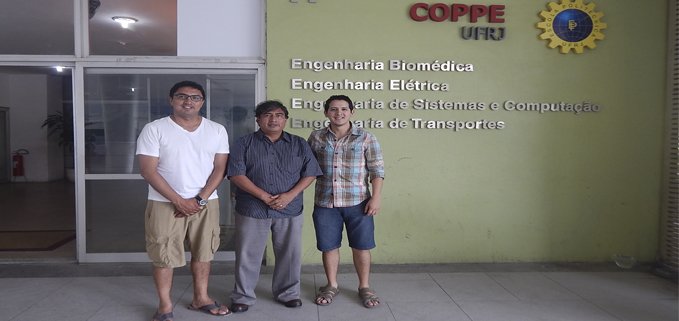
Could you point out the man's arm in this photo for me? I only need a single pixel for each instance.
(375, 167)
(149, 171)
(213, 181)
(216, 177)
(373, 205)
(244, 183)
(282, 200)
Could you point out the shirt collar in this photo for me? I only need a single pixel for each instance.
(284, 136)
(355, 131)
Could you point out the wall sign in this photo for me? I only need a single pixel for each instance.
(440, 12)
(571, 25)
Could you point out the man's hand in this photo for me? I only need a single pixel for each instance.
(186, 207)
(280, 201)
(372, 207)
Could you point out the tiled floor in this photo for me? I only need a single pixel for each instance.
(59, 289)
(464, 292)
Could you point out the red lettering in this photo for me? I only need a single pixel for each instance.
(440, 12)
(413, 11)
(443, 7)
(458, 10)
(477, 11)
(495, 11)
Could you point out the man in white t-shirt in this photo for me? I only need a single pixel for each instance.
(183, 158)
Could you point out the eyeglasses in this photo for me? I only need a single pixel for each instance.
(185, 97)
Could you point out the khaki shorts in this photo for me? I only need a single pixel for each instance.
(165, 234)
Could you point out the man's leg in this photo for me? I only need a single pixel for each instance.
(158, 225)
(330, 265)
(163, 279)
(201, 274)
(250, 240)
(361, 235)
(362, 265)
(203, 233)
(328, 223)
(287, 246)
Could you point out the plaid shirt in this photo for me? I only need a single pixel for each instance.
(348, 165)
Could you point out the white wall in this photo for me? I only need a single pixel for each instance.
(54, 102)
(234, 28)
(30, 99)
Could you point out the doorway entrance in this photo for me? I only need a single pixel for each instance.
(38, 207)
(38, 221)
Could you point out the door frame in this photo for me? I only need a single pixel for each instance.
(4, 136)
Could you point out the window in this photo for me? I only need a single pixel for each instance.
(118, 103)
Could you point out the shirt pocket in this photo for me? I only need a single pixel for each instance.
(351, 154)
(292, 164)
(215, 240)
(158, 249)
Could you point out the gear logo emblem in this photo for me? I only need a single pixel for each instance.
(571, 25)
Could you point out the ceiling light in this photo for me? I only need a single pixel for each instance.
(124, 21)
(59, 68)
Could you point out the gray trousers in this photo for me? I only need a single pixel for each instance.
(251, 237)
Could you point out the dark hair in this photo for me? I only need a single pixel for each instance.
(187, 83)
(269, 105)
(338, 97)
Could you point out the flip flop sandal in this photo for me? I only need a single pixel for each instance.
(163, 317)
(327, 292)
(368, 295)
(206, 309)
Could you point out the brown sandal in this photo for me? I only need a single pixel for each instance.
(327, 293)
(368, 295)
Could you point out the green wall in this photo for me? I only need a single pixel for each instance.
(552, 186)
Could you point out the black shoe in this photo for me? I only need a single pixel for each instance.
(296, 303)
(239, 308)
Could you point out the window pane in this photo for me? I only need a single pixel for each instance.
(154, 33)
(115, 226)
(118, 227)
(37, 27)
(118, 103)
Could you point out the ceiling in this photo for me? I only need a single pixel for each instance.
(45, 27)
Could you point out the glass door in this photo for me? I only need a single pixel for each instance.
(118, 103)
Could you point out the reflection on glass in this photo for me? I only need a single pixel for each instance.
(117, 106)
(115, 226)
(37, 27)
(153, 34)
(115, 216)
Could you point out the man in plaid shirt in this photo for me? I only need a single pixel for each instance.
(351, 159)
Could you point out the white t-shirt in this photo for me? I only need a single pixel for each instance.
(185, 159)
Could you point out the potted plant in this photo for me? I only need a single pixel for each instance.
(62, 125)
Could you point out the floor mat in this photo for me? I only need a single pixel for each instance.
(12, 241)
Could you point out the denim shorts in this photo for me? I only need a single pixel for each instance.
(329, 223)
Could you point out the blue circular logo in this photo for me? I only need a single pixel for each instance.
(573, 25)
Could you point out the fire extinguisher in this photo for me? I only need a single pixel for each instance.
(18, 162)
